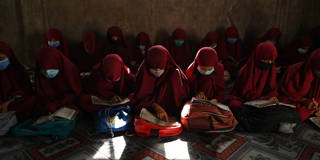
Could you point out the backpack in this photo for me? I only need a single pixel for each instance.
(112, 120)
(205, 116)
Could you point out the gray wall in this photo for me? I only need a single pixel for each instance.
(23, 23)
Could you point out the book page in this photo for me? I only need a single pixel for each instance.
(65, 113)
(98, 101)
(146, 115)
(202, 101)
(260, 103)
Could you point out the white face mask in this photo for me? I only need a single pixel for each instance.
(205, 72)
(214, 46)
(302, 51)
(156, 73)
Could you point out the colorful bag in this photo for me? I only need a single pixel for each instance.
(205, 116)
(112, 120)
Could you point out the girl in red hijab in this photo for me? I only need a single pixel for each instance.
(161, 84)
(300, 86)
(57, 80)
(271, 36)
(257, 78)
(229, 50)
(295, 52)
(55, 39)
(206, 76)
(210, 40)
(143, 43)
(15, 87)
(179, 48)
(116, 43)
(88, 53)
(110, 79)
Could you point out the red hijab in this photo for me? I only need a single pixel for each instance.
(212, 85)
(272, 34)
(226, 49)
(141, 39)
(104, 76)
(88, 53)
(57, 35)
(209, 39)
(290, 54)
(67, 80)
(252, 82)
(122, 48)
(181, 54)
(299, 81)
(14, 79)
(149, 87)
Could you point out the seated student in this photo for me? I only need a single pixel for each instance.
(210, 40)
(143, 43)
(179, 48)
(117, 43)
(206, 76)
(15, 87)
(55, 39)
(295, 52)
(88, 53)
(271, 36)
(256, 79)
(230, 51)
(161, 84)
(300, 86)
(57, 81)
(109, 80)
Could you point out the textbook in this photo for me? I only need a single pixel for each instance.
(315, 120)
(267, 103)
(63, 113)
(195, 100)
(149, 117)
(97, 101)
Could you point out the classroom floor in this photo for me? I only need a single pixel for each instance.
(303, 144)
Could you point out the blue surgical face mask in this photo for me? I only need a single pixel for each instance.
(142, 47)
(50, 73)
(55, 44)
(203, 72)
(302, 51)
(178, 42)
(232, 40)
(4, 64)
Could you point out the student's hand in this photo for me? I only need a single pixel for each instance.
(143, 52)
(313, 105)
(116, 99)
(201, 95)
(4, 106)
(275, 99)
(161, 113)
(214, 100)
(278, 69)
(133, 63)
(84, 75)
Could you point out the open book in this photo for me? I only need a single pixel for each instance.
(63, 113)
(315, 120)
(195, 100)
(97, 101)
(267, 103)
(146, 115)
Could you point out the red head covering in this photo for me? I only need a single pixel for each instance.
(213, 84)
(14, 79)
(226, 49)
(141, 39)
(152, 89)
(209, 39)
(123, 48)
(104, 75)
(67, 80)
(57, 35)
(181, 54)
(88, 53)
(252, 82)
(299, 80)
(305, 41)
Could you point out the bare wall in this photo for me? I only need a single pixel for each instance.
(23, 23)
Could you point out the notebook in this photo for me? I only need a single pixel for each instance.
(267, 103)
(195, 100)
(98, 101)
(149, 117)
(64, 113)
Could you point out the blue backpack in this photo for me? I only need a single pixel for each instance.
(112, 120)
(58, 129)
